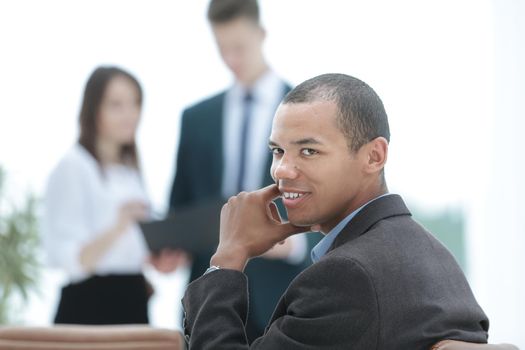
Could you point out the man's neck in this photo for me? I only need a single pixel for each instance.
(376, 190)
(257, 73)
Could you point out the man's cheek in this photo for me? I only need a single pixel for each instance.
(272, 172)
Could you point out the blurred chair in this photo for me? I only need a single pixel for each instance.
(459, 345)
(75, 337)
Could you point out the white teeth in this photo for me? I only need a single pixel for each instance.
(292, 195)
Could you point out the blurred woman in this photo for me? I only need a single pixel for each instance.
(94, 198)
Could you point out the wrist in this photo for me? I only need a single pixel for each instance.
(120, 227)
(211, 269)
(229, 261)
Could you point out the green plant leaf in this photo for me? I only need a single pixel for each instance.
(19, 241)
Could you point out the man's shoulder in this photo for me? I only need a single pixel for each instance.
(286, 87)
(398, 251)
(391, 246)
(341, 267)
(391, 238)
(211, 104)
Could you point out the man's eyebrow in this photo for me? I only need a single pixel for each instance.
(307, 141)
(301, 142)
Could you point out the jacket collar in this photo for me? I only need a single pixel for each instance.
(377, 210)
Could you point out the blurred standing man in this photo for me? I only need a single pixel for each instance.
(223, 148)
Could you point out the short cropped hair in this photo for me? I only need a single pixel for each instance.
(222, 11)
(361, 114)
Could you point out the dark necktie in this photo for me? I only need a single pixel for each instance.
(245, 127)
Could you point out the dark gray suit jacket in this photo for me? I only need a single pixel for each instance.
(386, 283)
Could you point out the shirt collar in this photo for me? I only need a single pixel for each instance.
(266, 88)
(324, 244)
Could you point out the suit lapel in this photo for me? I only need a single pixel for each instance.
(381, 208)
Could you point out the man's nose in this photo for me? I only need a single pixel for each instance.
(284, 169)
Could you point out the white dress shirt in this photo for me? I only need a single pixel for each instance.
(81, 202)
(267, 93)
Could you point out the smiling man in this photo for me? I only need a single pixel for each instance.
(379, 281)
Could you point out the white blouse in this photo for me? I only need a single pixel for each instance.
(81, 203)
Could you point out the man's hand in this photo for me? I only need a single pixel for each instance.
(250, 226)
(279, 251)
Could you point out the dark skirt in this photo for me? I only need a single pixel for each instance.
(112, 299)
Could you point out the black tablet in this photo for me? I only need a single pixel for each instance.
(194, 229)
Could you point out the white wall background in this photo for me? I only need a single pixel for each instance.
(450, 73)
(497, 227)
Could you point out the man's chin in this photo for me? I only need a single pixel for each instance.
(301, 223)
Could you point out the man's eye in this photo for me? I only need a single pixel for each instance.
(308, 152)
(276, 150)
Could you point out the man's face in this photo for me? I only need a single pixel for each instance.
(240, 45)
(320, 179)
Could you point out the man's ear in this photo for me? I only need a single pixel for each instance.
(377, 154)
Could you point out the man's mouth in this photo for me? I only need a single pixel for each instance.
(292, 199)
(292, 195)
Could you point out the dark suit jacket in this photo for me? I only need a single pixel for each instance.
(199, 178)
(386, 283)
